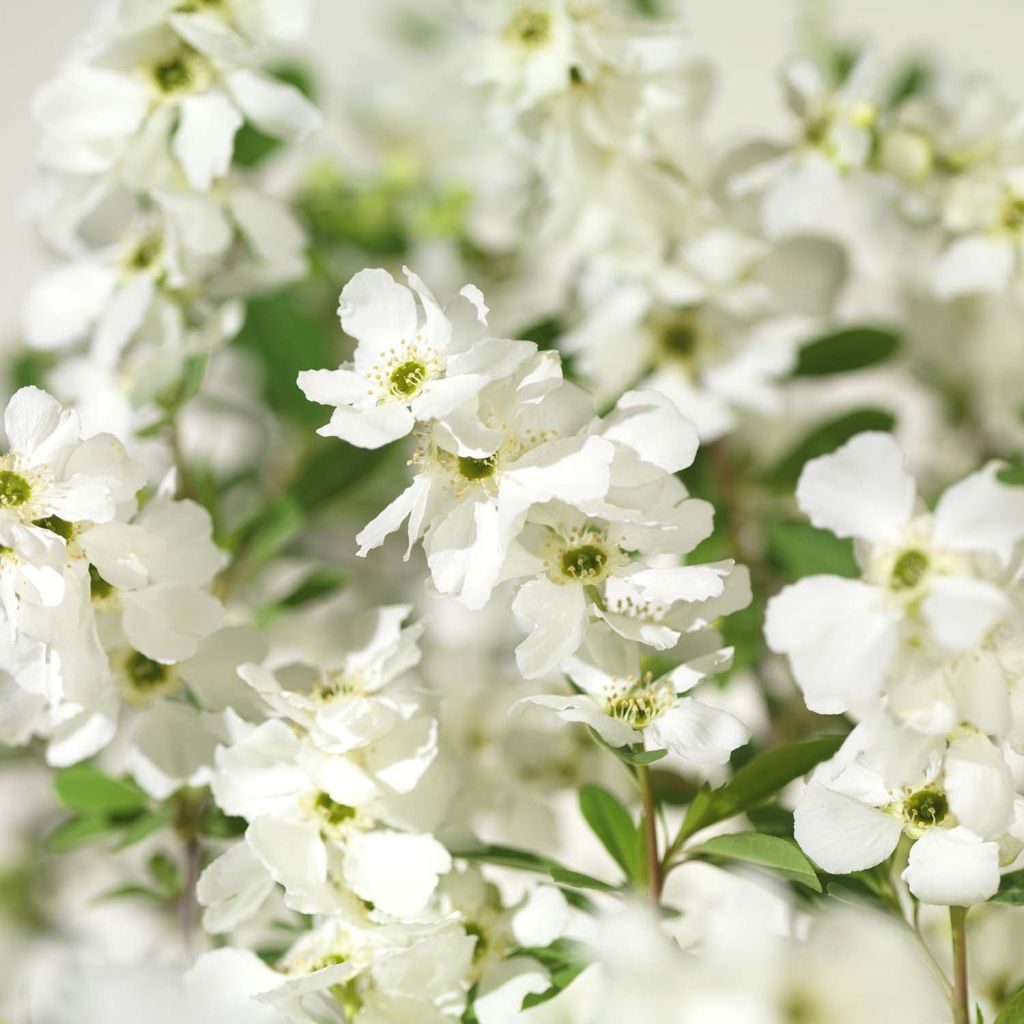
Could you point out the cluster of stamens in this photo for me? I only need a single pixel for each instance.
(142, 678)
(403, 370)
(925, 808)
(638, 702)
(530, 27)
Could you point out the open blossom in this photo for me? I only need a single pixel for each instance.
(955, 801)
(934, 577)
(715, 329)
(625, 705)
(406, 368)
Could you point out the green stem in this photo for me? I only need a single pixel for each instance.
(654, 872)
(958, 919)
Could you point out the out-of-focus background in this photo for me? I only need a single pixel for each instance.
(748, 40)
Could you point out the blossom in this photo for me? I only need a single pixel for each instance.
(626, 705)
(955, 801)
(939, 576)
(404, 369)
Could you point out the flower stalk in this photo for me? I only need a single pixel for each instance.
(655, 875)
(958, 920)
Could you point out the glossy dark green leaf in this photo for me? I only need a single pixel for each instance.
(852, 348)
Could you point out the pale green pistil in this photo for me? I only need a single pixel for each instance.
(14, 489)
(584, 562)
(909, 570)
(333, 812)
(926, 807)
(145, 673)
(531, 26)
(405, 380)
(476, 469)
(173, 75)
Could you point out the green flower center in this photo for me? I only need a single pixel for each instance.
(145, 254)
(637, 703)
(679, 338)
(909, 570)
(14, 489)
(145, 673)
(331, 811)
(407, 379)
(584, 562)
(173, 74)
(530, 26)
(926, 807)
(477, 469)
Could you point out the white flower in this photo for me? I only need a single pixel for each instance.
(405, 368)
(939, 577)
(955, 802)
(715, 330)
(520, 442)
(626, 706)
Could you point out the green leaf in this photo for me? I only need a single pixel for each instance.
(565, 960)
(1012, 474)
(780, 855)
(803, 550)
(77, 832)
(824, 438)
(772, 820)
(1012, 1011)
(165, 873)
(527, 860)
(1011, 889)
(613, 825)
(144, 826)
(849, 349)
(760, 778)
(85, 788)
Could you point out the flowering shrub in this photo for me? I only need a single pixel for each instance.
(693, 688)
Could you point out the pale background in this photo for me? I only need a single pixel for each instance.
(748, 38)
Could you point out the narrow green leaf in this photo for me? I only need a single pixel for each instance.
(613, 825)
(627, 754)
(849, 349)
(85, 788)
(780, 855)
(77, 832)
(526, 860)
(579, 880)
(565, 960)
(144, 826)
(760, 778)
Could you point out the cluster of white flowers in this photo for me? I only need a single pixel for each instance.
(924, 650)
(518, 480)
(106, 599)
(349, 798)
(161, 236)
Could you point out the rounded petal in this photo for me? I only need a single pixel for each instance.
(861, 490)
(63, 305)
(973, 264)
(961, 611)
(205, 137)
(838, 637)
(395, 871)
(952, 868)
(370, 428)
(558, 616)
(980, 514)
(698, 732)
(233, 888)
(274, 107)
(840, 833)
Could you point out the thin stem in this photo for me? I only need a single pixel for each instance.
(654, 872)
(958, 918)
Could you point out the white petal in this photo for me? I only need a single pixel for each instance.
(503, 987)
(698, 732)
(295, 856)
(651, 425)
(38, 426)
(559, 618)
(370, 428)
(973, 264)
(841, 834)
(171, 747)
(233, 888)
(980, 514)
(395, 871)
(583, 710)
(952, 868)
(961, 611)
(222, 985)
(205, 137)
(274, 107)
(64, 304)
(407, 505)
(377, 311)
(333, 387)
(542, 918)
(90, 103)
(979, 785)
(839, 639)
(861, 490)
(166, 622)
